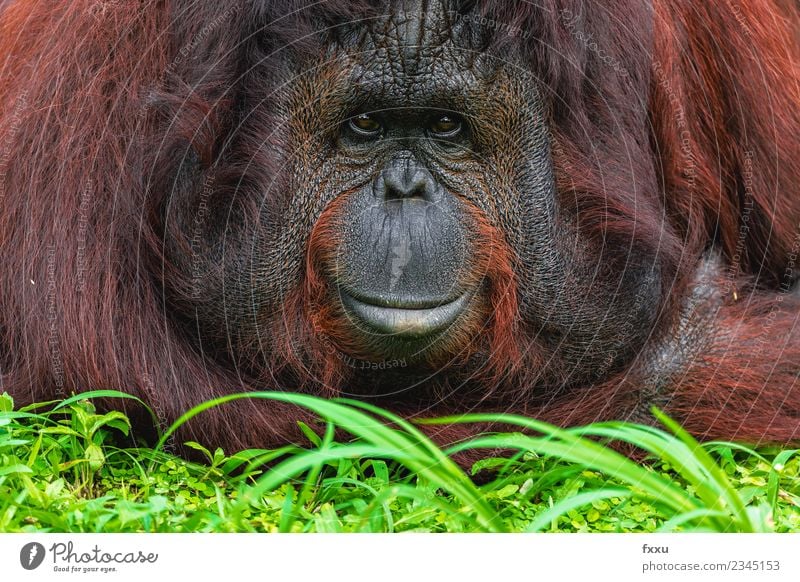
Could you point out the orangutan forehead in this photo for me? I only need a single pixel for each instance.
(416, 52)
(414, 26)
(410, 33)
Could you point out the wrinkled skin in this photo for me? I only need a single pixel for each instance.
(405, 134)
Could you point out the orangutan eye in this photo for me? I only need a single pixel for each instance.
(365, 125)
(445, 126)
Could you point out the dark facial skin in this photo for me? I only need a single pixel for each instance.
(404, 133)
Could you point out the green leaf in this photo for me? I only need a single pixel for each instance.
(95, 456)
(15, 470)
(54, 488)
(506, 491)
(308, 432)
(6, 402)
(219, 457)
(198, 447)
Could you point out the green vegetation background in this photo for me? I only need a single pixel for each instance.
(63, 469)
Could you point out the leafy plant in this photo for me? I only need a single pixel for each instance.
(62, 468)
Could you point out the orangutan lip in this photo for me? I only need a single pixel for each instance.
(407, 322)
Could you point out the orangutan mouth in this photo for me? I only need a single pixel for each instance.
(406, 322)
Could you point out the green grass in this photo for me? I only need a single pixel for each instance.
(62, 469)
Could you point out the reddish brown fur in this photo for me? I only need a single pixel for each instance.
(493, 320)
(79, 310)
